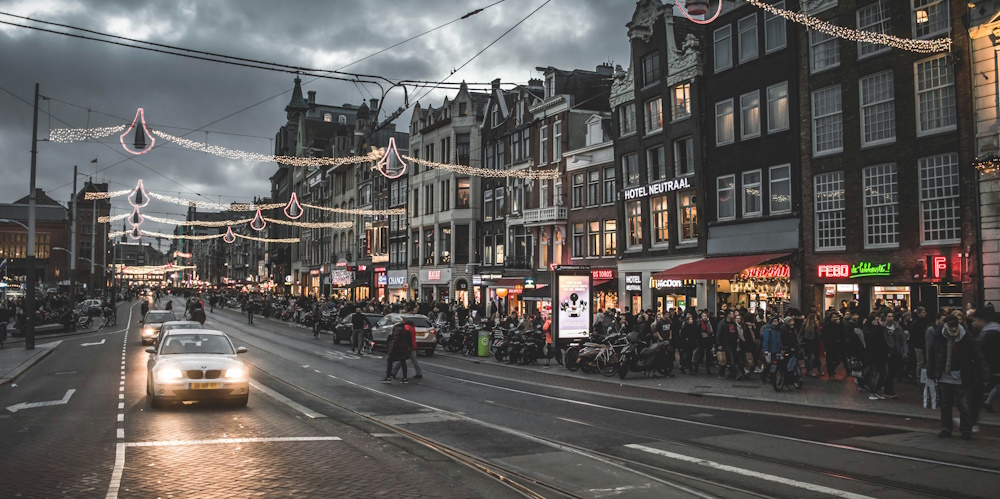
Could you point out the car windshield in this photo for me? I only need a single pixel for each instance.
(171, 327)
(196, 343)
(160, 317)
(419, 322)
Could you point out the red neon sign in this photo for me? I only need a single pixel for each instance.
(836, 270)
(939, 267)
(603, 274)
(433, 275)
(775, 271)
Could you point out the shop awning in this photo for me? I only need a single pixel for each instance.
(598, 282)
(717, 268)
(508, 282)
(536, 294)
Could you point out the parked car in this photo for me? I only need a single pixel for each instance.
(345, 327)
(196, 364)
(426, 334)
(151, 324)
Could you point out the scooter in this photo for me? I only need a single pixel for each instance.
(785, 368)
(647, 360)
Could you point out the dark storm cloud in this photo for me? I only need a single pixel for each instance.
(185, 93)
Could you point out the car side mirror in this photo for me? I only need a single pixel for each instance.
(241, 350)
(151, 350)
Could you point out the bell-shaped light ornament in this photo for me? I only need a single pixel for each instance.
(258, 223)
(293, 209)
(135, 233)
(698, 8)
(139, 138)
(138, 198)
(135, 218)
(229, 238)
(391, 165)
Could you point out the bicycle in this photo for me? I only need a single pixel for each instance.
(110, 319)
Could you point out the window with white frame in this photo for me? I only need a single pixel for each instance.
(594, 238)
(578, 190)
(557, 141)
(610, 237)
(752, 204)
(777, 107)
(829, 205)
(940, 209)
(651, 69)
(780, 189)
(748, 37)
(723, 48)
(827, 118)
(726, 197)
(579, 240)
(500, 249)
(633, 217)
(680, 96)
(593, 188)
(610, 192)
(687, 217)
(630, 169)
(488, 205)
(654, 115)
(774, 30)
(878, 109)
(874, 18)
(656, 163)
(750, 115)
(935, 82)
(724, 122)
(930, 17)
(684, 156)
(543, 146)
(543, 193)
(660, 208)
(526, 143)
(501, 208)
(824, 51)
(626, 118)
(881, 206)
(515, 147)
(495, 116)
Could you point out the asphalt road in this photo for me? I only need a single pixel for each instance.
(320, 424)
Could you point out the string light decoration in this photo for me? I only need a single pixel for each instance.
(135, 233)
(854, 35)
(135, 218)
(258, 222)
(293, 209)
(253, 157)
(266, 240)
(987, 164)
(197, 223)
(67, 135)
(138, 198)
(358, 211)
(313, 225)
(155, 269)
(104, 220)
(209, 205)
(229, 236)
(140, 117)
(484, 172)
(97, 196)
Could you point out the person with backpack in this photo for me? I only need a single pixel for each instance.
(198, 315)
(399, 346)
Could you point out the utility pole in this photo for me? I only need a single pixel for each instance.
(93, 235)
(104, 257)
(72, 248)
(29, 294)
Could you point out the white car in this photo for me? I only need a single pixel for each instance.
(173, 325)
(196, 364)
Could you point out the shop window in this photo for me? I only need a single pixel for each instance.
(780, 189)
(881, 206)
(726, 196)
(661, 220)
(687, 217)
(940, 210)
(829, 205)
(752, 206)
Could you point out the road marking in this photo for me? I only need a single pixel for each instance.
(121, 418)
(172, 443)
(121, 396)
(116, 475)
(92, 344)
(121, 388)
(32, 405)
(121, 432)
(285, 400)
(748, 473)
(121, 405)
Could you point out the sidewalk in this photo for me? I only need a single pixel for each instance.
(15, 360)
(840, 393)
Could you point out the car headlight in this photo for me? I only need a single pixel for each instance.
(148, 331)
(236, 372)
(167, 374)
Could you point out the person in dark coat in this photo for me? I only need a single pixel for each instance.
(876, 355)
(399, 346)
(198, 315)
(955, 362)
(170, 305)
(833, 345)
(143, 309)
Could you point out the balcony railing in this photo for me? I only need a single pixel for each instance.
(543, 216)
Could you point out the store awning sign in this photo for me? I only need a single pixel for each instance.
(773, 271)
(655, 283)
(602, 274)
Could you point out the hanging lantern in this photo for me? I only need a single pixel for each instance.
(293, 209)
(135, 233)
(139, 139)
(229, 238)
(696, 7)
(138, 198)
(258, 223)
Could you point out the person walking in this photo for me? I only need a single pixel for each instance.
(955, 362)
(317, 314)
(399, 345)
(876, 356)
(706, 338)
(250, 306)
(413, 353)
(198, 315)
(898, 351)
(358, 322)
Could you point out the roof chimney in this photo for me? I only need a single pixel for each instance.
(373, 104)
(605, 69)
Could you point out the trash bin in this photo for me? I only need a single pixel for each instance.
(484, 343)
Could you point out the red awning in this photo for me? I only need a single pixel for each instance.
(598, 282)
(720, 267)
(508, 282)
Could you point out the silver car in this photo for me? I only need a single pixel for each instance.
(426, 334)
(151, 324)
(196, 364)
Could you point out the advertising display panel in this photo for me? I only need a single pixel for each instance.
(572, 302)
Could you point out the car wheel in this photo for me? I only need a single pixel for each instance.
(155, 403)
(242, 402)
(430, 353)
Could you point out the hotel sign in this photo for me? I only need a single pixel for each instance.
(661, 187)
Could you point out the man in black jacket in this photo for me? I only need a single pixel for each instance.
(358, 322)
(915, 336)
(955, 362)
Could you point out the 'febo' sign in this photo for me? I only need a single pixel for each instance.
(862, 269)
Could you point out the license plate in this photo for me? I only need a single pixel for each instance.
(205, 386)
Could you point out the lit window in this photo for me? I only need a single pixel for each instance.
(661, 220)
(781, 189)
(750, 115)
(681, 97)
(633, 213)
(724, 122)
(930, 17)
(752, 194)
(687, 214)
(654, 115)
(726, 197)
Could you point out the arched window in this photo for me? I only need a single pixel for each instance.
(342, 119)
(327, 117)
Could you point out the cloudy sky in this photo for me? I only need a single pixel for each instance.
(180, 95)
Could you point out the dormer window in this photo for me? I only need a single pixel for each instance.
(328, 117)
(550, 86)
(520, 111)
(342, 119)
(461, 109)
(495, 117)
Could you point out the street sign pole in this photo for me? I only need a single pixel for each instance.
(29, 295)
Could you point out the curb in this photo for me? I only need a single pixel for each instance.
(27, 364)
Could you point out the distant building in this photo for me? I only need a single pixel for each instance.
(51, 231)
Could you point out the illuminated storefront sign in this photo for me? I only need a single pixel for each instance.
(655, 283)
(775, 271)
(835, 271)
(657, 188)
(633, 282)
(573, 296)
(603, 273)
(433, 275)
(938, 267)
(862, 269)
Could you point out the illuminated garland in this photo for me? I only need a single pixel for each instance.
(854, 35)
(358, 211)
(313, 225)
(209, 205)
(155, 269)
(264, 158)
(197, 223)
(66, 135)
(988, 164)
(204, 237)
(95, 196)
(266, 240)
(485, 172)
(104, 220)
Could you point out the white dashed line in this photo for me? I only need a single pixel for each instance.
(121, 432)
(121, 418)
(121, 405)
